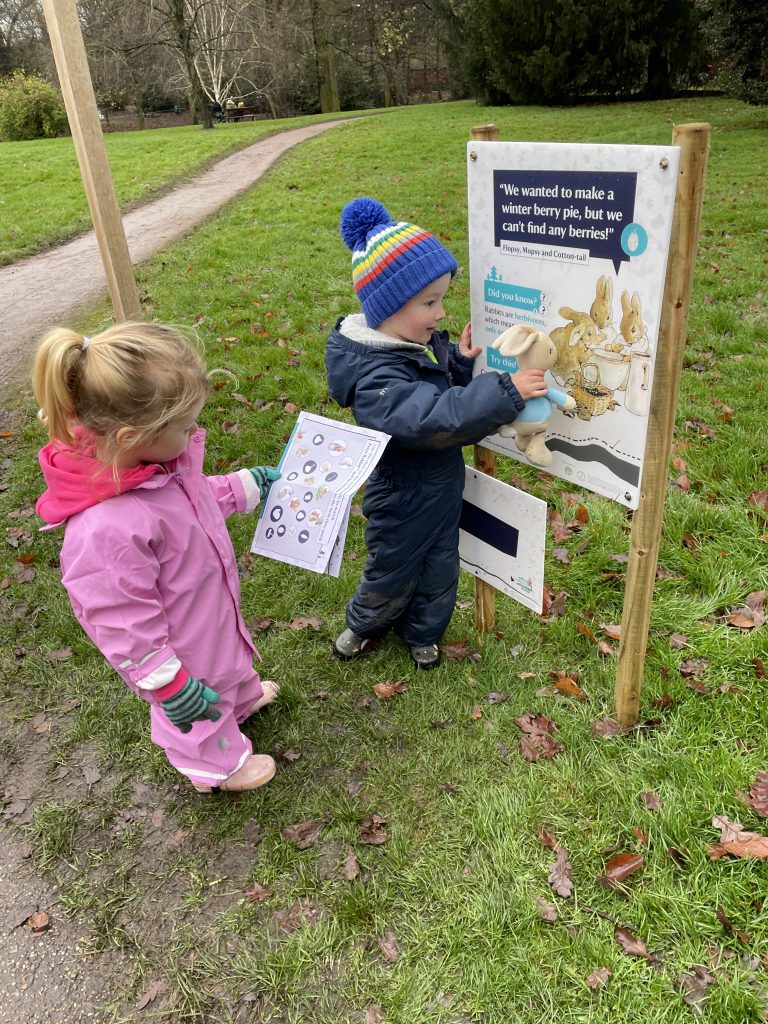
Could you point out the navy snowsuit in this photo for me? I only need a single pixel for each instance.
(426, 399)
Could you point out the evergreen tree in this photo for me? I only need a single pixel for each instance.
(512, 51)
(737, 31)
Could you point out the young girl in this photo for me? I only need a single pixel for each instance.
(146, 559)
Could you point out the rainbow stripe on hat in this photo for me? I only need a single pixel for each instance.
(384, 248)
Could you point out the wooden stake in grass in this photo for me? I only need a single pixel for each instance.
(76, 87)
(693, 140)
(484, 458)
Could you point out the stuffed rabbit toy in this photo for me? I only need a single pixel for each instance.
(536, 350)
(574, 343)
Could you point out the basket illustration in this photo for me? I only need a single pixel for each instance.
(592, 397)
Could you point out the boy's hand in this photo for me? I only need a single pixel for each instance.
(465, 345)
(530, 383)
(264, 477)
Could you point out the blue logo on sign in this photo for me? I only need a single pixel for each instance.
(634, 239)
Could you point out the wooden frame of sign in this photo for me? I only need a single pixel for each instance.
(693, 142)
(79, 99)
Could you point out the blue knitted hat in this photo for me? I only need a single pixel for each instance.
(391, 260)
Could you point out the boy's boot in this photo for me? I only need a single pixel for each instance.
(426, 656)
(349, 645)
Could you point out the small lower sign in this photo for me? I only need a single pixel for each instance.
(502, 537)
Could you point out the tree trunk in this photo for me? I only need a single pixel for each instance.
(325, 57)
(183, 36)
(659, 85)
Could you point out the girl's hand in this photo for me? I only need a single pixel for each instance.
(264, 477)
(465, 345)
(530, 383)
(192, 703)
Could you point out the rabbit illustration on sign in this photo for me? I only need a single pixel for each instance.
(574, 343)
(601, 312)
(536, 350)
(631, 327)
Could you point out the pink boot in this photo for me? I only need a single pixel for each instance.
(257, 770)
(271, 690)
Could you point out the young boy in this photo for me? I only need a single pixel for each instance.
(401, 375)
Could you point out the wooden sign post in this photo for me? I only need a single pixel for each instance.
(484, 458)
(693, 140)
(80, 101)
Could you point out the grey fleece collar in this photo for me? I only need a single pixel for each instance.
(356, 329)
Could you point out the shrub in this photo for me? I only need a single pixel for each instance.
(30, 108)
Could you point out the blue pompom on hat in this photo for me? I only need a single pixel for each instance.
(391, 260)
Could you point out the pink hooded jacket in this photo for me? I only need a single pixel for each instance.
(151, 571)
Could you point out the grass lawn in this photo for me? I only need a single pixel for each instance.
(445, 922)
(41, 193)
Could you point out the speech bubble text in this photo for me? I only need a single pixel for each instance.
(587, 210)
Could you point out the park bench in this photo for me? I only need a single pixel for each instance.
(243, 114)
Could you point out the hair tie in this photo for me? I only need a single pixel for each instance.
(86, 343)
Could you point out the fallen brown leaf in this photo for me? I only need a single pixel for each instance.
(651, 801)
(372, 830)
(694, 987)
(631, 944)
(157, 988)
(257, 893)
(560, 531)
(757, 798)
(547, 911)
(611, 629)
(560, 874)
(302, 622)
(586, 631)
(693, 667)
(570, 687)
(607, 728)
(546, 838)
(620, 867)
(39, 922)
(350, 869)
(389, 689)
(598, 978)
(301, 911)
(388, 947)
(459, 651)
(736, 841)
(62, 654)
(305, 834)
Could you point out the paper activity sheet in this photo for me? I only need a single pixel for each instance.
(304, 519)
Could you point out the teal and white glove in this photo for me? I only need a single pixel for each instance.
(192, 703)
(264, 476)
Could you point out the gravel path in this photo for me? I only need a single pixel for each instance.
(41, 291)
(46, 973)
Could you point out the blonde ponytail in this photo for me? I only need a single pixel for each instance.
(140, 375)
(55, 381)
